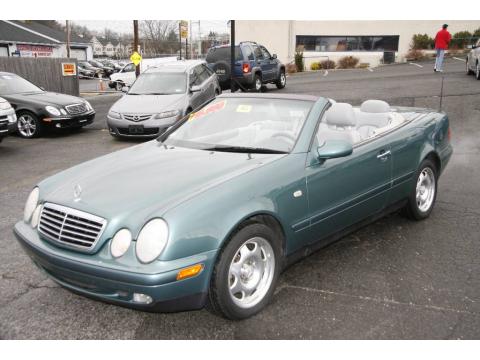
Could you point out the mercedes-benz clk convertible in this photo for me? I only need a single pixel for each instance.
(213, 210)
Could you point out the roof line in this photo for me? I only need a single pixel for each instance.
(26, 43)
(32, 31)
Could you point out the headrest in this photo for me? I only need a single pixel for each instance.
(375, 106)
(341, 114)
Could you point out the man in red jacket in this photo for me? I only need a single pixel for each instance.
(442, 39)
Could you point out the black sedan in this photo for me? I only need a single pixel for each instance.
(38, 110)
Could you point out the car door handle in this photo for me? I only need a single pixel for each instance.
(383, 155)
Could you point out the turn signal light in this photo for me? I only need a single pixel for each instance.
(246, 67)
(189, 271)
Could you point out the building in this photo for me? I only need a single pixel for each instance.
(111, 48)
(322, 40)
(30, 39)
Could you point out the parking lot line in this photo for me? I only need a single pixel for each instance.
(456, 58)
(370, 69)
(411, 63)
(326, 73)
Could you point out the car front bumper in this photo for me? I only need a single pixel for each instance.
(69, 121)
(116, 286)
(151, 128)
(7, 127)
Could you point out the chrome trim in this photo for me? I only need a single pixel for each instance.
(81, 108)
(58, 222)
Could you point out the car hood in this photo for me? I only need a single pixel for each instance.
(134, 184)
(148, 103)
(45, 98)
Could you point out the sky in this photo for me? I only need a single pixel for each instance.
(124, 26)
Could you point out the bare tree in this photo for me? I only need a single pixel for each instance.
(157, 36)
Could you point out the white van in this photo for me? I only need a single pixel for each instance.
(126, 76)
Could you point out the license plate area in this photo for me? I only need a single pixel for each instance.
(135, 129)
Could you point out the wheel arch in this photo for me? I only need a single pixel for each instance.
(433, 156)
(264, 217)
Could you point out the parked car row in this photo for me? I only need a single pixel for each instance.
(37, 110)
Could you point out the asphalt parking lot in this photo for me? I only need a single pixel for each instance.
(394, 279)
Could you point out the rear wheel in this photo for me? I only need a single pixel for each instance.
(467, 69)
(282, 80)
(246, 272)
(423, 196)
(28, 125)
(257, 83)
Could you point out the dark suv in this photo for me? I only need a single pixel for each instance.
(254, 66)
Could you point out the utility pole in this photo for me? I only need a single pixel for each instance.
(67, 25)
(180, 37)
(232, 54)
(135, 45)
(190, 37)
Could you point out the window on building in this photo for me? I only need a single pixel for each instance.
(347, 43)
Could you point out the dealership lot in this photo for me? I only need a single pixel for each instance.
(392, 279)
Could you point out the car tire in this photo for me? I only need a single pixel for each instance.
(119, 86)
(28, 125)
(467, 69)
(477, 71)
(250, 264)
(257, 85)
(424, 193)
(282, 80)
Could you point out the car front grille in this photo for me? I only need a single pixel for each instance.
(76, 109)
(70, 227)
(137, 117)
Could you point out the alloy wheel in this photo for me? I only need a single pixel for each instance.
(425, 191)
(251, 272)
(26, 125)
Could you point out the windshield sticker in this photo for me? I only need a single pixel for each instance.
(208, 110)
(244, 108)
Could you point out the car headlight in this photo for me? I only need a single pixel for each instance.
(52, 110)
(31, 204)
(120, 243)
(152, 240)
(36, 216)
(89, 106)
(4, 105)
(167, 114)
(114, 114)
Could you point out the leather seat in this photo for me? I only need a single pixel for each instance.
(340, 124)
(372, 115)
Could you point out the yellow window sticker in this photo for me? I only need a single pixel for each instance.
(244, 108)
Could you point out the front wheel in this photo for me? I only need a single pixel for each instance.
(422, 198)
(246, 273)
(282, 80)
(118, 86)
(28, 125)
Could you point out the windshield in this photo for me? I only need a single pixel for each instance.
(244, 125)
(13, 84)
(159, 83)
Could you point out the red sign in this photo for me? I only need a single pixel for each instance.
(35, 50)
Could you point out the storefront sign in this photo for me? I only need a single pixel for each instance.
(26, 50)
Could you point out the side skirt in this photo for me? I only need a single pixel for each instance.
(324, 242)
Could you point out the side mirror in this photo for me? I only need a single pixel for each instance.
(334, 149)
(125, 89)
(274, 56)
(195, 88)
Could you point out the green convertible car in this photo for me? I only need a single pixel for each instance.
(213, 210)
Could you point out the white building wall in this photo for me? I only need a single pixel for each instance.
(279, 36)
